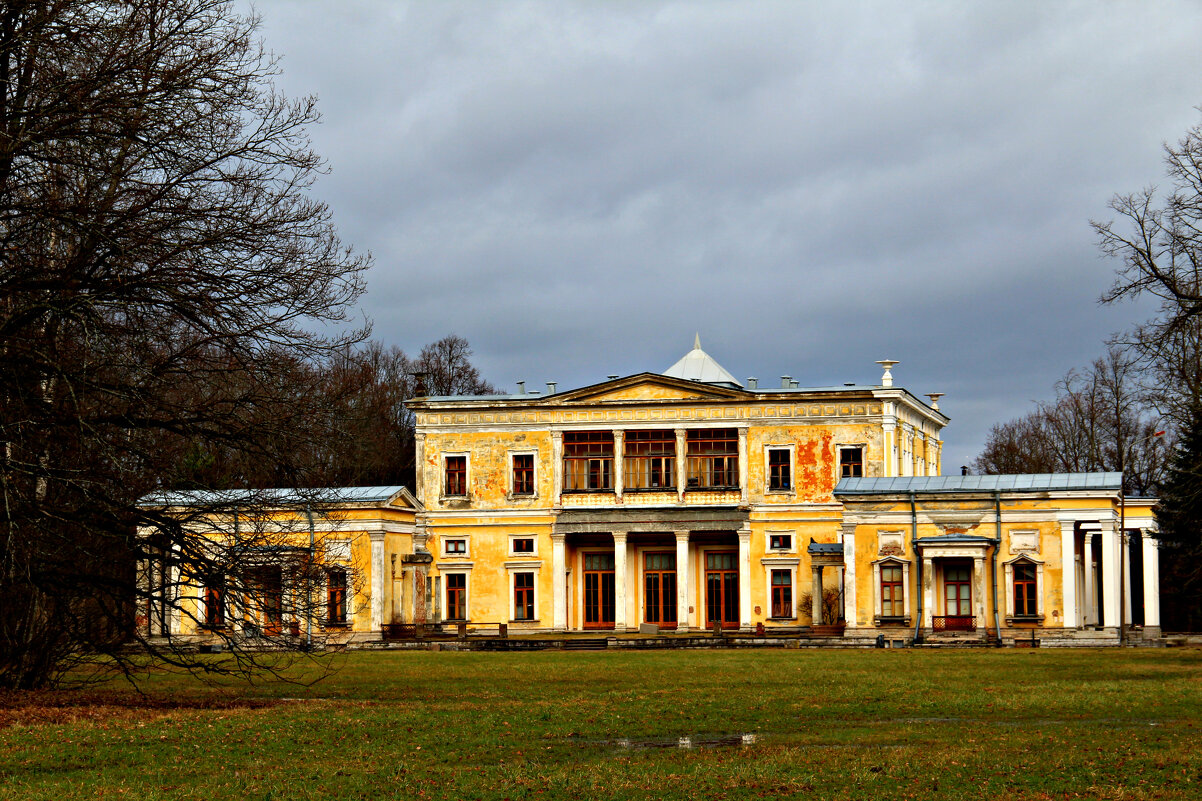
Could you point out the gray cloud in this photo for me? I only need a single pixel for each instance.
(578, 187)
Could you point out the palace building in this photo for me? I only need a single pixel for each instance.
(687, 502)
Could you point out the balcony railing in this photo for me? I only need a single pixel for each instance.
(954, 623)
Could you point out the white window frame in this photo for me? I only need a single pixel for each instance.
(786, 532)
(877, 601)
(523, 554)
(511, 570)
(1008, 568)
(792, 490)
(839, 446)
(467, 475)
(509, 491)
(467, 546)
(464, 570)
(771, 563)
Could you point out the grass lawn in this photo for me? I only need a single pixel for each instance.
(827, 724)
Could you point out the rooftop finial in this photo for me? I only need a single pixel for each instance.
(888, 364)
(697, 341)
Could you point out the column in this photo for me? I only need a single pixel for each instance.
(557, 469)
(928, 591)
(682, 467)
(1110, 574)
(743, 470)
(1090, 615)
(745, 576)
(1068, 573)
(682, 580)
(419, 463)
(619, 463)
(1151, 584)
(619, 581)
(559, 582)
(848, 536)
(1126, 571)
(377, 580)
(816, 596)
(978, 589)
(889, 428)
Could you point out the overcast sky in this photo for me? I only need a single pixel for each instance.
(577, 188)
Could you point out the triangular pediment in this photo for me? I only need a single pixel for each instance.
(648, 387)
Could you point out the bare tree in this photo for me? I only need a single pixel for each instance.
(164, 274)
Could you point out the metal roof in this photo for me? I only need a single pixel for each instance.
(697, 365)
(825, 547)
(1031, 482)
(275, 497)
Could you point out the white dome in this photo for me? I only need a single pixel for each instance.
(697, 365)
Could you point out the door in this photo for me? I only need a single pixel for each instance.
(599, 591)
(722, 589)
(269, 592)
(659, 589)
(957, 591)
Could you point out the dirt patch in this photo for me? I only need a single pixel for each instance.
(41, 707)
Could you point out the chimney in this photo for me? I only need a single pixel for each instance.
(785, 381)
(963, 469)
(551, 387)
(793, 384)
(419, 379)
(612, 377)
(521, 387)
(753, 383)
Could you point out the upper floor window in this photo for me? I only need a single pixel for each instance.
(456, 475)
(780, 470)
(523, 474)
(522, 544)
(713, 458)
(851, 461)
(588, 460)
(455, 547)
(780, 542)
(650, 460)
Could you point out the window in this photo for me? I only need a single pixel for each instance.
(780, 470)
(713, 455)
(780, 542)
(851, 461)
(659, 589)
(650, 460)
(523, 545)
(588, 460)
(455, 546)
(892, 595)
(456, 475)
(336, 597)
(523, 474)
(782, 593)
(214, 595)
(456, 596)
(523, 596)
(598, 590)
(1025, 604)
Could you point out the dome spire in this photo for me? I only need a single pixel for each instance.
(697, 365)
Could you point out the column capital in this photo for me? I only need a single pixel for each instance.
(619, 537)
(682, 536)
(558, 536)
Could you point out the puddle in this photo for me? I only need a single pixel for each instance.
(690, 741)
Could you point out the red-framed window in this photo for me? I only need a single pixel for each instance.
(659, 588)
(599, 590)
(893, 599)
(650, 460)
(456, 475)
(780, 542)
(336, 596)
(214, 595)
(957, 591)
(523, 545)
(851, 461)
(454, 546)
(588, 460)
(782, 593)
(523, 474)
(780, 470)
(1025, 601)
(713, 458)
(523, 596)
(456, 596)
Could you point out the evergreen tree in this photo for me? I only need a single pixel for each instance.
(1180, 516)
